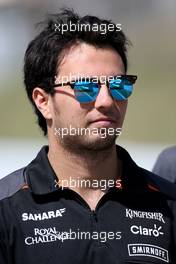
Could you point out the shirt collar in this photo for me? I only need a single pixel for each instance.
(40, 175)
(42, 179)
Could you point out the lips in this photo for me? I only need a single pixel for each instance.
(103, 119)
(103, 122)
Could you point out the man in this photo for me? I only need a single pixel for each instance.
(165, 165)
(83, 199)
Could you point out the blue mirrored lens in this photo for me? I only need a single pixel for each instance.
(120, 89)
(86, 92)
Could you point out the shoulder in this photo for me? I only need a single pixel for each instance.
(160, 184)
(168, 155)
(165, 165)
(144, 178)
(140, 176)
(11, 183)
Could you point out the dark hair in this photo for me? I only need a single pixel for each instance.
(46, 51)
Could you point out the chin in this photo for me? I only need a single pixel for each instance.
(99, 143)
(79, 144)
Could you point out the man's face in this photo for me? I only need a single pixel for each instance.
(87, 61)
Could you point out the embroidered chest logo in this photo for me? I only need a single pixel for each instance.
(145, 231)
(43, 215)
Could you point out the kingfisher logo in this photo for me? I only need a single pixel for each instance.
(43, 215)
(145, 231)
(146, 215)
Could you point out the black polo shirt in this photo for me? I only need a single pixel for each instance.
(43, 223)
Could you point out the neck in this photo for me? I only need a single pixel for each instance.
(88, 173)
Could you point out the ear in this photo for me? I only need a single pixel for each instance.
(41, 99)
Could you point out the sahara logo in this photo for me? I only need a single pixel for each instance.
(43, 215)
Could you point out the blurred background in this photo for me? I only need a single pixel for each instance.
(150, 125)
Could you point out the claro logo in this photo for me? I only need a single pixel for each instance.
(145, 231)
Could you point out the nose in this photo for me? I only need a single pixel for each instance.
(104, 98)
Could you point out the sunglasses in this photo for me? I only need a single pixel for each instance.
(86, 90)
